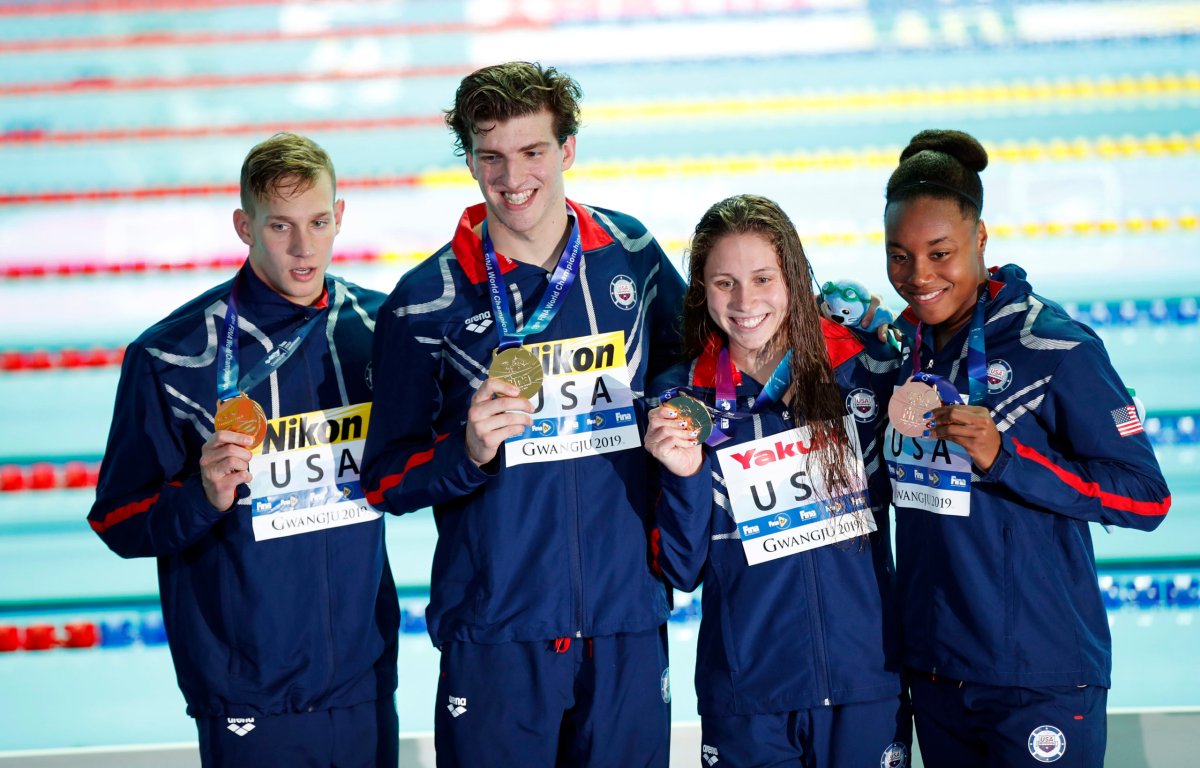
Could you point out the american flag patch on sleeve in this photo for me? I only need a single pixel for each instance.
(1127, 421)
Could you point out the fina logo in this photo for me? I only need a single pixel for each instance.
(623, 291)
(781, 522)
(861, 405)
(1047, 743)
(895, 756)
(240, 725)
(999, 376)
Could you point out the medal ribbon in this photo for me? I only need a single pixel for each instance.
(560, 284)
(228, 383)
(976, 362)
(726, 410)
(771, 391)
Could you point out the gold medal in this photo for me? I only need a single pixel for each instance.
(241, 414)
(908, 407)
(694, 413)
(518, 367)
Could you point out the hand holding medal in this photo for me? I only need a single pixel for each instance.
(917, 410)
(241, 414)
(970, 426)
(498, 411)
(676, 431)
(928, 405)
(518, 367)
(225, 457)
(908, 407)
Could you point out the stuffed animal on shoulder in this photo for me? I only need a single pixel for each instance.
(846, 302)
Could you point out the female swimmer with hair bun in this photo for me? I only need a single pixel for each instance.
(1028, 436)
(782, 511)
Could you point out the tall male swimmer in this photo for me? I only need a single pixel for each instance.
(511, 367)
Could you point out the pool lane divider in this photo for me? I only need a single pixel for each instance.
(1121, 592)
(174, 39)
(1183, 222)
(1090, 92)
(1168, 312)
(1009, 152)
(1163, 429)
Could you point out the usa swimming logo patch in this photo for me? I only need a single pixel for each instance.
(1047, 744)
(999, 376)
(623, 291)
(861, 405)
(895, 756)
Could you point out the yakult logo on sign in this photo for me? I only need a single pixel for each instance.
(781, 450)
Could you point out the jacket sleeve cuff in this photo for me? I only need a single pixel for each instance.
(1000, 466)
(469, 475)
(692, 493)
(204, 513)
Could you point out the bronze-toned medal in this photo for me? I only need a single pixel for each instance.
(909, 405)
(241, 414)
(518, 367)
(693, 411)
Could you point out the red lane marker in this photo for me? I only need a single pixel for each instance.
(149, 39)
(41, 637)
(81, 634)
(75, 358)
(139, 6)
(12, 361)
(45, 476)
(85, 85)
(207, 131)
(154, 193)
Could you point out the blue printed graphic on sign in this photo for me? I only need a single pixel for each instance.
(797, 517)
(305, 499)
(930, 478)
(595, 421)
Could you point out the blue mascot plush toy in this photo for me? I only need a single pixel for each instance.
(846, 301)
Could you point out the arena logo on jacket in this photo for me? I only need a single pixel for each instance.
(305, 475)
(779, 499)
(585, 406)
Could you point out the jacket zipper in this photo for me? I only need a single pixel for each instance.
(822, 652)
(576, 546)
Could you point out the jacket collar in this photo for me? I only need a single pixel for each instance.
(252, 290)
(840, 344)
(467, 243)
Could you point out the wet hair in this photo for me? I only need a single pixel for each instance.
(941, 164)
(501, 92)
(813, 396)
(286, 164)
